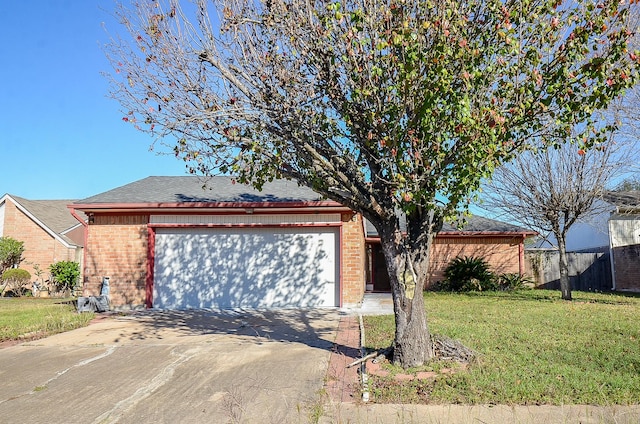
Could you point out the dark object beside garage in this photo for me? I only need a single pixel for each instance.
(93, 304)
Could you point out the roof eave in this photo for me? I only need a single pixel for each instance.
(488, 233)
(627, 210)
(525, 234)
(208, 206)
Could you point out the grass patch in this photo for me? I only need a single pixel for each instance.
(32, 318)
(535, 347)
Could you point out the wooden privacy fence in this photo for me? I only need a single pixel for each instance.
(588, 271)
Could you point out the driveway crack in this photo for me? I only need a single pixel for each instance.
(63, 372)
(114, 414)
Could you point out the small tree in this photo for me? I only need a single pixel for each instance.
(11, 251)
(65, 275)
(552, 190)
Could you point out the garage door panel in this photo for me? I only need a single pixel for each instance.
(246, 268)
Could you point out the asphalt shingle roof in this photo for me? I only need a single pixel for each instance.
(198, 189)
(480, 223)
(52, 213)
(629, 198)
(185, 189)
(474, 224)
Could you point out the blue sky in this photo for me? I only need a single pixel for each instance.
(61, 137)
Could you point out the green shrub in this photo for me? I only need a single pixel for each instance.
(468, 274)
(65, 275)
(513, 281)
(17, 274)
(11, 251)
(15, 282)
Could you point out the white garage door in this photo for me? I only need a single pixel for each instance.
(246, 268)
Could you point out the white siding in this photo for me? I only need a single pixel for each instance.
(246, 219)
(624, 230)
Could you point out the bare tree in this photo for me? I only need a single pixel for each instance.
(551, 190)
(381, 105)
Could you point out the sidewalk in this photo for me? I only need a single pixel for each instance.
(343, 384)
(461, 414)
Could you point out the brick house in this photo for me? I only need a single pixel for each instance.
(624, 236)
(165, 242)
(500, 244)
(46, 227)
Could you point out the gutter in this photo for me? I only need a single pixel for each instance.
(468, 234)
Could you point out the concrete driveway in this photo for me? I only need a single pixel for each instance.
(161, 367)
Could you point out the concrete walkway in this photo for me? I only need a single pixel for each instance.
(373, 304)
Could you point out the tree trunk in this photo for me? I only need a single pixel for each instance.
(408, 266)
(565, 285)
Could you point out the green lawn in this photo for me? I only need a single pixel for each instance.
(30, 318)
(535, 349)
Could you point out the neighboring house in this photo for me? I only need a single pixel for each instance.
(46, 227)
(165, 242)
(624, 234)
(586, 235)
(604, 253)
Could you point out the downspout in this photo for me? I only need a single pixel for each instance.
(611, 261)
(149, 279)
(521, 254)
(366, 259)
(85, 239)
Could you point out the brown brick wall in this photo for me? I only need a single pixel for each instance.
(626, 260)
(40, 248)
(353, 258)
(502, 253)
(76, 235)
(117, 248)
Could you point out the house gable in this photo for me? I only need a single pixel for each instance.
(52, 216)
(2, 218)
(26, 221)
